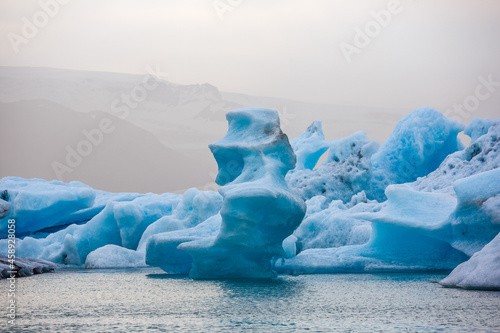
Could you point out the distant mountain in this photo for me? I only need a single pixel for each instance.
(181, 120)
(35, 136)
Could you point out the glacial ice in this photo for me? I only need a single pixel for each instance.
(416, 147)
(119, 223)
(195, 207)
(482, 154)
(309, 146)
(162, 251)
(114, 256)
(334, 226)
(421, 227)
(481, 271)
(258, 210)
(401, 239)
(358, 219)
(37, 204)
(419, 143)
(346, 171)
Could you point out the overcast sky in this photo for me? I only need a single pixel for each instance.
(428, 52)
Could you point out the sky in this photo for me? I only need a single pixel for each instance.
(395, 54)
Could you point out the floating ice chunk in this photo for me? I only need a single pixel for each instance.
(346, 171)
(36, 204)
(162, 251)
(119, 223)
(481, 155)
(258, 210)
(4, 208)
(473, 224)
(416, 147)
(481, 271)
(309, 146)
(410, 233)
(335, 226)
(478, 127)
(113, 256)
(195, 207)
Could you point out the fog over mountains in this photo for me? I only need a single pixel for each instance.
(123, 132)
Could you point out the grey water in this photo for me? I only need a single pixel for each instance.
(147, 300)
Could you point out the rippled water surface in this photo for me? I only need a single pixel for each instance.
(148, 300)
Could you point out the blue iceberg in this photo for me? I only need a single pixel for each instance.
(258, 210)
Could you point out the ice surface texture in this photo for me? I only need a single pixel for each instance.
(258, 209)
(435, 222)
(447, 210)
(419, 143)
(37, 204)
(481, 271)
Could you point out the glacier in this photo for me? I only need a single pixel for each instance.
(421, 201)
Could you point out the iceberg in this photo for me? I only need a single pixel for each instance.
(416, 147)
(37, 204)
(346, 171)
(336, 225)
(194, 207)
(419, 202)
(113, 256)
(481, 271)
(119, 223)
(482, 154)
(258, 210)
(403, 237)
(436, 222)
(162, 249)
(309, 146)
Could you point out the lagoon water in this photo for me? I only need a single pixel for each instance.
(149, 300)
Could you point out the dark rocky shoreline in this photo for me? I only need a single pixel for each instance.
(24, 267)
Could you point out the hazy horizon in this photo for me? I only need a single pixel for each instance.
(376, 61)
(426, 54)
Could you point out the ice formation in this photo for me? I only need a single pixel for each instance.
(346, 171)
(162, 248)
(481, 155)
(335, 225)
(120, 223)
(309, 146)
(418, 145)
(422, 227)
(114, 256)
(258, 210)
(418, 202)
(481, 271)
(37, 204)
